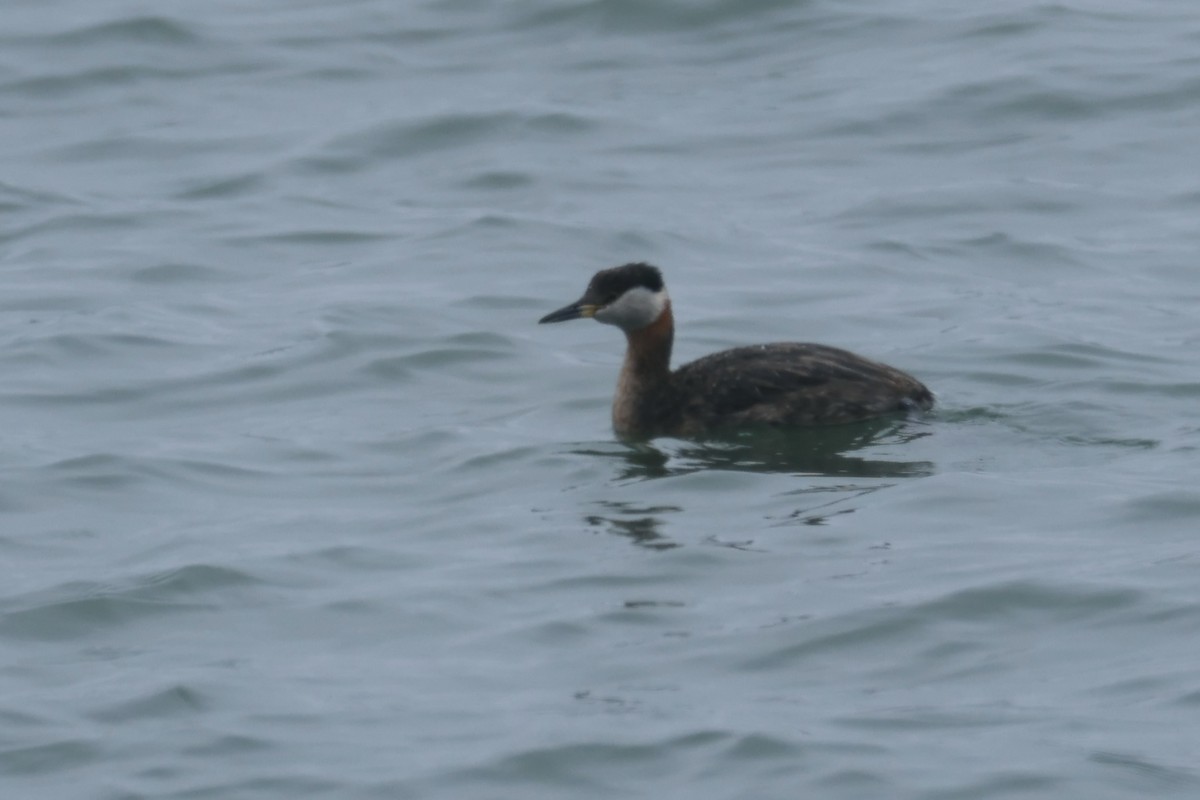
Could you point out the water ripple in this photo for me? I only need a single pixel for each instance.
(48, 758)
(81, 610)
(145, 30)
(1025, 604)
(173, 701)
(440, 133)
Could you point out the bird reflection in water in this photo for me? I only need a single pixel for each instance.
(642, 525)
(811, 452)
(806, 453)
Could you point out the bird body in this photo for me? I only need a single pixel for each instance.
(781, 384)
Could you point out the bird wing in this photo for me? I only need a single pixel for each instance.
(791, 383)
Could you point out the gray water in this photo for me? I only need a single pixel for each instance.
(298, 501)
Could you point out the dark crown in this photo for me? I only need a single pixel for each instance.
(612, 283)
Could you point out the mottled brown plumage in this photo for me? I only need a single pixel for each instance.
(784, 384)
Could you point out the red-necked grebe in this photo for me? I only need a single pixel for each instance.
(781, 384)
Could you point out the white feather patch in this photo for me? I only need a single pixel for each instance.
(635, 309)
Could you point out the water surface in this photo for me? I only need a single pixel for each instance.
(299, 501)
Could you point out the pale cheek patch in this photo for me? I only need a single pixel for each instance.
(635, 309)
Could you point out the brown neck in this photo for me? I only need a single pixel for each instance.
(645, 399)
(648, 353)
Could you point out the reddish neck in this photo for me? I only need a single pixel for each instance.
(644, 391)
(649, 349)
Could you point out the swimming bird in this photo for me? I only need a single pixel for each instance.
(782, 384)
